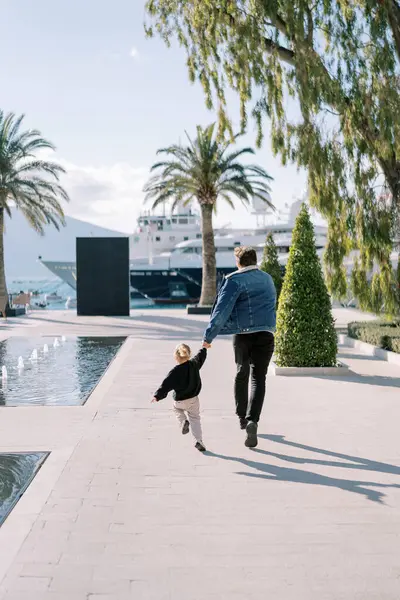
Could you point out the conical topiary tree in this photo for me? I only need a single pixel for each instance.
(306, 334)
(270, 263)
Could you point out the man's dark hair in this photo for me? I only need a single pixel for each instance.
(246, 256)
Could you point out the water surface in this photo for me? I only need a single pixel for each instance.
(65, 375)
(16, 472)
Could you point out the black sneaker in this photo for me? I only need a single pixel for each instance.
(251, 430)
(185, 428)
(243, 422)
(200, 447)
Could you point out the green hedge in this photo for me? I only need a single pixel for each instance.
(383, 334)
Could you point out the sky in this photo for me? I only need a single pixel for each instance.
(86, 76)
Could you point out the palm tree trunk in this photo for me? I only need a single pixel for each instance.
(209, 281)
(3, 285)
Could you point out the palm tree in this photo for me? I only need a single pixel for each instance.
(27, 183)
(205, 171)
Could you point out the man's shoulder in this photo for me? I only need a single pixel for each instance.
(239, 275)
(267, 280)
(231, 276)
(265, 275)
(231, 279)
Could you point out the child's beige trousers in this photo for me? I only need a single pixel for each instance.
(191, 408)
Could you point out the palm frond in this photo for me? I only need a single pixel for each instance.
(233, 156)
(30, 183)
(227, 199)
(260, 171)
(205, 169)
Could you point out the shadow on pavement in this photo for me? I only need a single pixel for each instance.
(354, 462)
(352, 377)
(130, 321)
(276, 473)
(358, 356)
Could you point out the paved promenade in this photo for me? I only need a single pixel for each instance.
(125, 507)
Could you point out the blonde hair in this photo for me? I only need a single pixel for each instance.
(182, 352)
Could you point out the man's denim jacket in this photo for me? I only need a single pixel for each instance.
(245, 303)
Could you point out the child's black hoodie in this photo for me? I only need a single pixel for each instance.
(184, 379)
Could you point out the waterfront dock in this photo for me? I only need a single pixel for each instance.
(126, 508)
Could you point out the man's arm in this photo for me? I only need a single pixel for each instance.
(222, 310)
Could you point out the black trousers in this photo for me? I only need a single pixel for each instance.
(253, 353)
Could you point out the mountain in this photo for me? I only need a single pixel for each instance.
(23, 246)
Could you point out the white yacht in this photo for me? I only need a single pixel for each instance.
(166, 251)
(174, 277)
(154, 234)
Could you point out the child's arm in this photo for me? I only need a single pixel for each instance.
(166, 387)
(200, 357)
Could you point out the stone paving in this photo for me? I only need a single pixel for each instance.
(126, 508)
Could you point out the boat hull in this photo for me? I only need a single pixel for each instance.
(172, 286)
(66, 271)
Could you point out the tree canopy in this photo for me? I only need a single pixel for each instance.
(206, 170)
(27, 183)
(326, 74)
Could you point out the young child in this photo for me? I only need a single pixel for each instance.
(185, 381)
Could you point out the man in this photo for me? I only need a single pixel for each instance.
(246, 307)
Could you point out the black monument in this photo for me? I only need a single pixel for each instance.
(102, 273)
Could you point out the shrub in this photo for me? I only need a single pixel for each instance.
(384, 334)
(270, 263)
(354, 328)
(306, 334)
(398, 283)
(396, 345)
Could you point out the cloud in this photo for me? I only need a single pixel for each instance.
(110, 196)
(134, 53)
